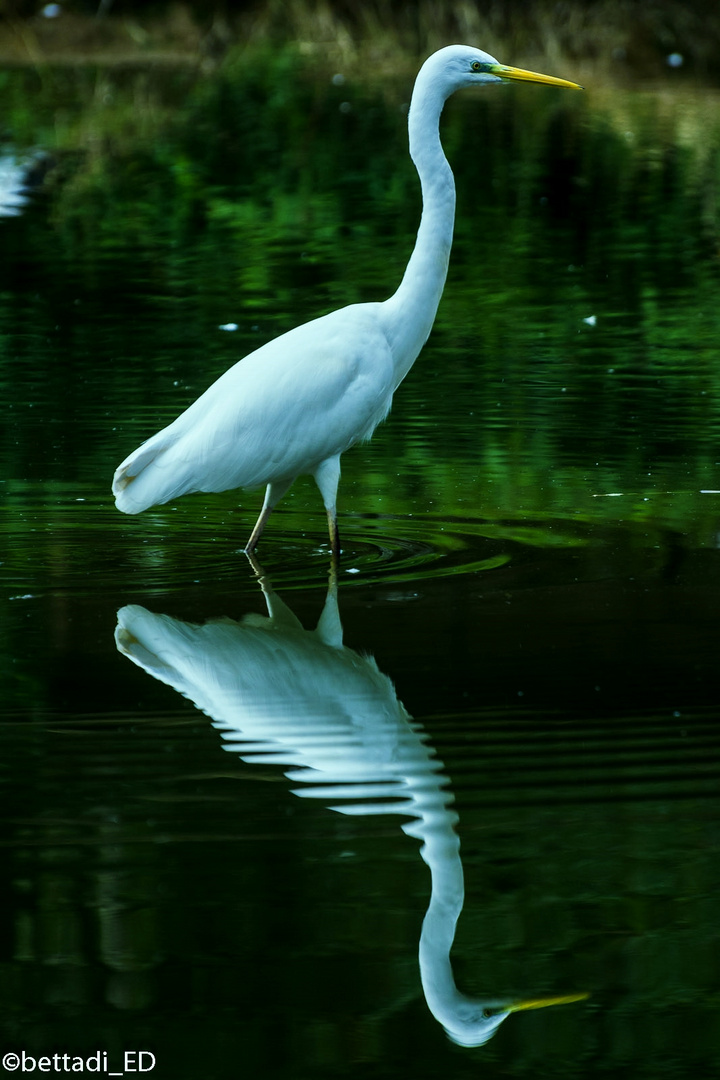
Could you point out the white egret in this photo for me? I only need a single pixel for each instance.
(296, 404)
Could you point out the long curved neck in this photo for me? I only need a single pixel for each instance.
(410, 311)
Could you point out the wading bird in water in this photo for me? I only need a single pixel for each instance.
(296, 404)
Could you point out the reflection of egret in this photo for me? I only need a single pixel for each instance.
(283, 695)
(15, 176)
(296, 404)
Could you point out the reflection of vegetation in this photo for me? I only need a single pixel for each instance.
(574, 353)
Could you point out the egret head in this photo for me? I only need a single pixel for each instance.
(460, 65)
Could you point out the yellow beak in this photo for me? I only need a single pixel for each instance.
(506, 72)
(541, 1003)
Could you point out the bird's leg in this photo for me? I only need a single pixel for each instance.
(259, 526)
(273, 495)
(327, 478)
(334, 534)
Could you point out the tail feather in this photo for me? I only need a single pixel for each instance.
(141, 481)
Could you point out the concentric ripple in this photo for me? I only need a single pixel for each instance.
(66, 541)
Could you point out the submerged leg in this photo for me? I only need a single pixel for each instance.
(273, 495)
(327, 478)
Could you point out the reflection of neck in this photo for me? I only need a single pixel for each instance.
(441, 852)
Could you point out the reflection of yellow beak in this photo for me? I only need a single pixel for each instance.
(530, 76)
(540, 1003)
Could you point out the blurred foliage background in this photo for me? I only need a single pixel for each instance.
(629, 39)
(246, 165)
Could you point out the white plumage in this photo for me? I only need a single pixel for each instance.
(254, 425)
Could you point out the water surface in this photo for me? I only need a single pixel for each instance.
(243, 843)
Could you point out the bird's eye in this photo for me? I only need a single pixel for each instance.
(476, 66)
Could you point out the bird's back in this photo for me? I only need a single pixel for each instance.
(276, 414)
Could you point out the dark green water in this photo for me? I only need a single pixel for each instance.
(530, 556)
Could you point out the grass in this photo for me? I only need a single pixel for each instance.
(596, 39)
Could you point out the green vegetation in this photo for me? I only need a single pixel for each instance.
(616, 41)
(574, 353)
